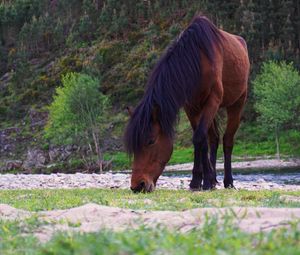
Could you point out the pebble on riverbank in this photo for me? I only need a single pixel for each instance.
(118, 180)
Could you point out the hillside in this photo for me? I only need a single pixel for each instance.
(117, 42)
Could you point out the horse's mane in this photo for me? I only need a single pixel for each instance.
(172, 82)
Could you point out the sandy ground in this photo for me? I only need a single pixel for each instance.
(93, 218)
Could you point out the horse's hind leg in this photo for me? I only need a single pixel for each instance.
(233, 121)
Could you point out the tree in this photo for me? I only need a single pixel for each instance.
(277, 94)
(78, 113)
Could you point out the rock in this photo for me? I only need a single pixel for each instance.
(65, 155)
(36, 159)
(61, 153)
(37, 118)
(54, 153)
(8, 140)
(13, 164)
(69, 148)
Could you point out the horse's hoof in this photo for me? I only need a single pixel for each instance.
(229, 186)
(207, 186)
(195, 185)
(195, 189)
(214, 183)
(228, 183)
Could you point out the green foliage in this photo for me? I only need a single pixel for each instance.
(252, 141)
(78, 110)
(43, 26)
(41, 34)
(19, 11)
(120, 41)
(277, 92)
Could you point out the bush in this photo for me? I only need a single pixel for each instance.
(78, 113)
(277, 93)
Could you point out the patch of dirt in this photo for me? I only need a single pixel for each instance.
(8, 212)
(288, 198)
(93, 218)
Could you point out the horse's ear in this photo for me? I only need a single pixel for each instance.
(129, 110)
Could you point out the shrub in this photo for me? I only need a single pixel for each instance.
(277, 93)
(78, 113)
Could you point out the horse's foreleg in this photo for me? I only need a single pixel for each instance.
(200, 138)
(214, 137)
(197, 172)
(233, 122)
(196, 182)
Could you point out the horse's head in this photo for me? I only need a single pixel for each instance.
(150, 161)
(151, 158)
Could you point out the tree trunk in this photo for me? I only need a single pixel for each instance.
(98, 151)
(277, 143)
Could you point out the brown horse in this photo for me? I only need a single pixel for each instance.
(203, 70)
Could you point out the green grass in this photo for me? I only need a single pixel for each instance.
(251, 142)
(37, 200)
(212, 238)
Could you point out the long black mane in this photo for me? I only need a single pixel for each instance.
(172, 82)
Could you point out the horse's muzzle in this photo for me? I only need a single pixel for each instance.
(143, 187)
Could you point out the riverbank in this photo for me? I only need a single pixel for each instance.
(284, 180)
(260, 163)
(289, 181)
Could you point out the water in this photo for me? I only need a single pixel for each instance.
(287, 176)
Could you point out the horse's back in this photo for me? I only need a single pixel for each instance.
(235, 68)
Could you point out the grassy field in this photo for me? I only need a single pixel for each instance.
(37, 200)
(214, 238)
(186, 154)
